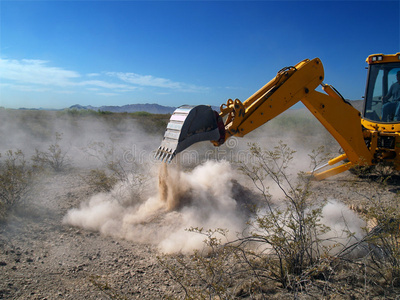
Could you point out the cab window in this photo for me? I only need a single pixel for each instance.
(380, 79)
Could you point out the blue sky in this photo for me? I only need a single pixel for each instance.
(54, 54)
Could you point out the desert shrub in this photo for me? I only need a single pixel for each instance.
(15, 179)
(111, 157)
(100, 180)
(291, 230)
(119, 170)
(54, 158)
(150, 123)
(211, 273)
(380, 206)
(35, 123)
(282, 247)
(141, 114)
(78, 112)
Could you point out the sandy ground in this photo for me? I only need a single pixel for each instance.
(42, 258)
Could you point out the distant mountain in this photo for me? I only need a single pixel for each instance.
(150, 108)
(79, 107)
(160, 109)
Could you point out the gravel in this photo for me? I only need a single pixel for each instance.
(40, 258)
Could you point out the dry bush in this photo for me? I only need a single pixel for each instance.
(281, 249)
(54, 158)
(117, 171)
(15, 179)
(150, 123)
(213, 273)
(100, 180)
(289, 232)
(381, 208)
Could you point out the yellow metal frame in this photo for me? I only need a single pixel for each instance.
(296, 84)
(371, 125)
(386, 127)
(385, 58)
(344, 122)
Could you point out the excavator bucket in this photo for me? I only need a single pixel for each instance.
(188, 125)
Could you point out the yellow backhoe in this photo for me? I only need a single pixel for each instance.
(367, 139)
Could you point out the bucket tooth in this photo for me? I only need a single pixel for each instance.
(164, 154)
(157, 155)
(170, 157)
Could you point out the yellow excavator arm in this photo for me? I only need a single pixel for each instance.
(364, 142)
(294, 84)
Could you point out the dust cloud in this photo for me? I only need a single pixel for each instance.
(345, 227)
(201, 198)
(208, 197)
(210, 194)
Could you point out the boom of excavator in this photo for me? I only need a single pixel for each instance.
(366, 140)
